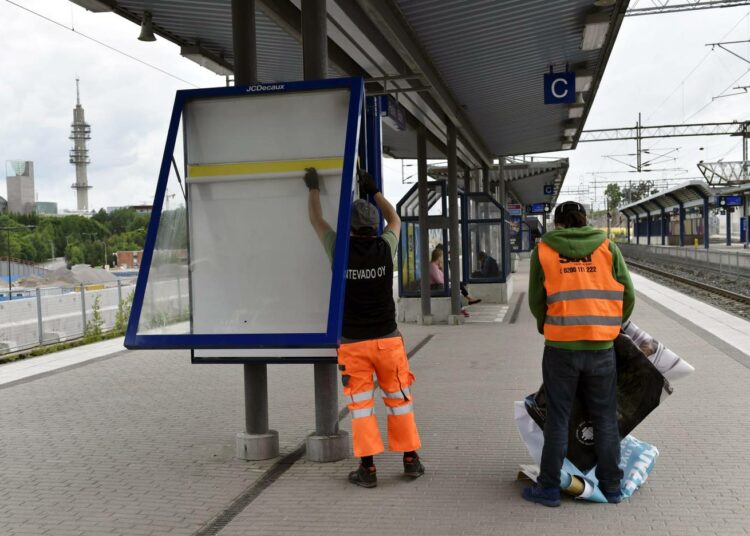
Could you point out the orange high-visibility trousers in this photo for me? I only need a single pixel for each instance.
(387, 359)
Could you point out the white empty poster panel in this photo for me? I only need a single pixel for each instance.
(256, 264)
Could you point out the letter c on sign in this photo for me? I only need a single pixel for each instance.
(554, 90)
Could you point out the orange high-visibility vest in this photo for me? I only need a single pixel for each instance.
(584, 300)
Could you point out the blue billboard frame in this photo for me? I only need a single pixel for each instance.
(332, 336)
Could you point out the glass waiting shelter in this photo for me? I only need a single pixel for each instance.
(409, 269)
(486, 240)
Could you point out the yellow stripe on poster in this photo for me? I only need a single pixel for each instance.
(255, 168)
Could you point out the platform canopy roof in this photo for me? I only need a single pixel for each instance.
(480, 63)
(689, 193)
(528, 178)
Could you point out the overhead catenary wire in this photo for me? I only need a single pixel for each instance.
(700, 62)
(695, 68)
(699, 110)
(110, 47)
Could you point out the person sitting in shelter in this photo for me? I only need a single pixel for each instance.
(487, 266)
(437, 280)
(370, 339)
(437, 277)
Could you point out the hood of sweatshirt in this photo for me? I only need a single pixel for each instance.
(574, 242)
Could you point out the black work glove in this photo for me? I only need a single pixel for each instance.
(311, 179)
(367, 183)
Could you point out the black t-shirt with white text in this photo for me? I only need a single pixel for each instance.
(369, 311)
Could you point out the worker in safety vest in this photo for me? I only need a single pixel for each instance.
(580, 293)
(370, 339)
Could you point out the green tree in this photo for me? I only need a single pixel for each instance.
(74, 254)
(614, 196)
(639, 190)
(93, 331)
(55, 235)
(101, 217)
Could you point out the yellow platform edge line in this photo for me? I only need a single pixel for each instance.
(253, 168)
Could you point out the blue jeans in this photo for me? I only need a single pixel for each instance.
(596, 372)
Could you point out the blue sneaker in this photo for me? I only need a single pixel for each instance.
(613, 497)
(545, 496)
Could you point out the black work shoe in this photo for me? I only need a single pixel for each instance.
(364, 476)
(413, 467)
(613, 497)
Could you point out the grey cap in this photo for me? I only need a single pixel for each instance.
(364, 214)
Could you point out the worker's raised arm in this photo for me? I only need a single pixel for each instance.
(313, 203)
(368, 186)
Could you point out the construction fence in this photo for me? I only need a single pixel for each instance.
(56, 315)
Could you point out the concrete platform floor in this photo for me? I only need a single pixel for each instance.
(142, 443)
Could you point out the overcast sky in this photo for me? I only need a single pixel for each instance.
(128, 103)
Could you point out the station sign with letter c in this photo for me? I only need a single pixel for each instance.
(559, 88)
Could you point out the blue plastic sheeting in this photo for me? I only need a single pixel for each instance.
(637, 461)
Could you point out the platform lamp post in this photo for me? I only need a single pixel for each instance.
(9, 230)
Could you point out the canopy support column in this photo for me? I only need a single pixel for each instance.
(257, 442)
(328, 443)
(455, 244)
(424, 236)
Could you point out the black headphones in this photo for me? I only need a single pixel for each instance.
(571, 206)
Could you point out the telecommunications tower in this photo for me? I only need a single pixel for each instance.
(80, 133)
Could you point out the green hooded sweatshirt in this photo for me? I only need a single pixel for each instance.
(574, 243)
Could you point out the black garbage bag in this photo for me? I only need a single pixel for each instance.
(640, 389)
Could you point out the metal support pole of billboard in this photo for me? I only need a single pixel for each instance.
(328, 443)
(424, 237)
(257, 442)
(455, 244)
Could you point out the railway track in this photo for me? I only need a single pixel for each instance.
(741, 298)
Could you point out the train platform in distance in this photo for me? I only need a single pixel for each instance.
(142, 443)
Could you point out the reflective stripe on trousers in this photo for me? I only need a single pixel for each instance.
(399, 410)
(364, 395)
(364, 412)
(402, 394)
